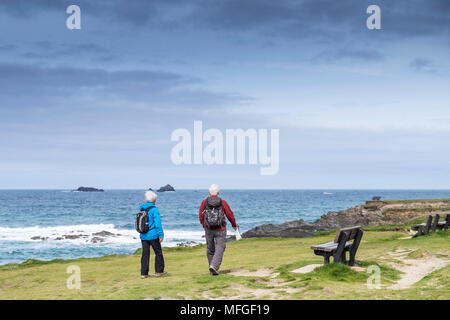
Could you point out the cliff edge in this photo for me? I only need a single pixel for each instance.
(383, 212)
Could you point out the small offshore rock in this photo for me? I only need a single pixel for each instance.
(72, 236)
(231, 238)
(166, 188)
(97, 240)
(39, 238)
(88, 189)
(186, 244)
(104, 234)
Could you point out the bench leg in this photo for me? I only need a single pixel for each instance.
(343, 257)
(337, 255)
(336, 258)
(354, 247)
(419, 231)
(340, 258)
(326, 259)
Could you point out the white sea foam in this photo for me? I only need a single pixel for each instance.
(89, 234)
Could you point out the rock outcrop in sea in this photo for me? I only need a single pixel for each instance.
(88, 189)
(373, 213)
(96, 237)
(166, 188)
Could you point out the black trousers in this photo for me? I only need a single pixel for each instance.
(145, 258)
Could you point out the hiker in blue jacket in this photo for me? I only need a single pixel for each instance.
(152, 238)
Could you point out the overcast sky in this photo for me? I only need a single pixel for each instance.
(356, 108)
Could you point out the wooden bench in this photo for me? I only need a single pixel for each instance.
(340, 246)
(441, 224)
(423, 228)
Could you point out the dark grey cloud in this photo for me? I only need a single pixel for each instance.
(7, 48)
(25, 9)
(49, 50)
(363, 55)
(301, 18)
(423, 65)
(131, 11)
(28, 85)
(328, 19)
(416, 17)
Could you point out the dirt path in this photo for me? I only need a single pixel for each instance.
(415, 269)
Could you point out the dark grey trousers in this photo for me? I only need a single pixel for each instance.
(216, 242)
(145, 258)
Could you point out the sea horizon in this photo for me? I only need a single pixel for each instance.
(237, 189)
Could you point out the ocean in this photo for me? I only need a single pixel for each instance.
(50, 224)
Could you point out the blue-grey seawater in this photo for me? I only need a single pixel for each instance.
(50, 224)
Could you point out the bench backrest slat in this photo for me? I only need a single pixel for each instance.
(435, 223)
(351, 233)
(428, 225)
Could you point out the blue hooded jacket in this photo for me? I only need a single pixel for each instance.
(154, 221)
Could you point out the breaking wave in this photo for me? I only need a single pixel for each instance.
(99, 234)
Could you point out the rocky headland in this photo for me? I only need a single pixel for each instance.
(384, 212)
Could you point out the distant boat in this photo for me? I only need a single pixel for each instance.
(327, 192)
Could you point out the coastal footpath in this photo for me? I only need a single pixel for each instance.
(372, 213)
(257, 268)
(265, 268)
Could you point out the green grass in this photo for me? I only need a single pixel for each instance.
(418, 200)
(372, 204)
(337, 272)
(410, 201)
(420, 210)
(117, 276)
(395, 227)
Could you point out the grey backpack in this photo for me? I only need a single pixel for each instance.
(213, 215)
(142, 221)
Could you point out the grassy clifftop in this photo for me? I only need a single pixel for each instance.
(413, 200)
(428, 202)
(252, 268)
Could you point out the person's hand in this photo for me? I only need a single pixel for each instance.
(161, 240)
(235, 228)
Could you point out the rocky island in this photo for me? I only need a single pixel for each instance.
(375, 212)
(88, 189)
(166, 188)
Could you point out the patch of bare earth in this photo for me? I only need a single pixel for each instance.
(414, 269)
(307, 269)
(257, 273)
(241, 292)
(328, 291)
(275, 287)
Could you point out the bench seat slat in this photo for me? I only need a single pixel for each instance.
(329, 246)
(417, 226)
